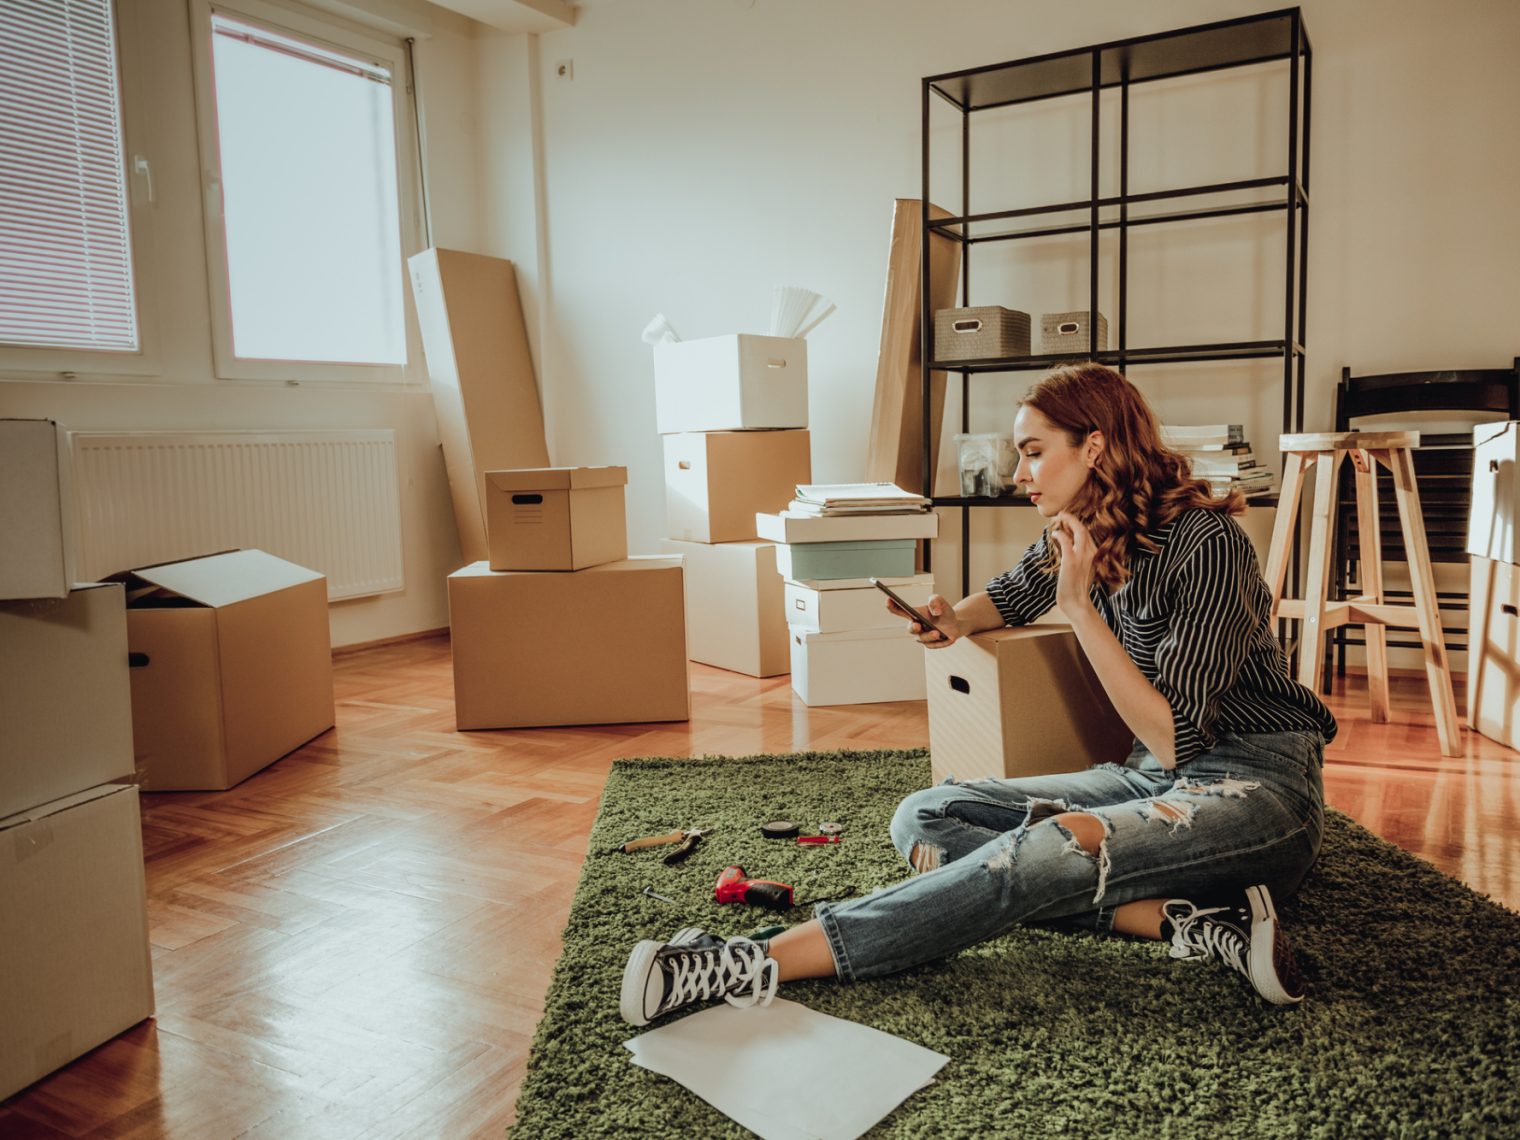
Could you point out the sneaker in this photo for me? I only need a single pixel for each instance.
(662, 977)
(1245, 936)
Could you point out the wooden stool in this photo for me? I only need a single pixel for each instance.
(1318, 613)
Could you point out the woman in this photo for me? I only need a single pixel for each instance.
(1218, 807)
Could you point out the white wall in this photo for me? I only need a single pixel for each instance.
(707, 150)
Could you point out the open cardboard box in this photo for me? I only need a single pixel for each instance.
(65, 696)
(231, 667)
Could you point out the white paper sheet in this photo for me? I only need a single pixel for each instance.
(786, 1072)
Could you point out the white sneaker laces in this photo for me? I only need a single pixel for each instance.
(740, 973)
(1194, 938)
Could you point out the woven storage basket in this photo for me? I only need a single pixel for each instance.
(985, 332)
(1067, 332)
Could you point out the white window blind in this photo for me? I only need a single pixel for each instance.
(65, 245)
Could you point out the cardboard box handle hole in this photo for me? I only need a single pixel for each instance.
(137, 660)
(1068, 327)
(775, 363)
(960, 684)
(967, 326)
(527, 500)
(1509, 610)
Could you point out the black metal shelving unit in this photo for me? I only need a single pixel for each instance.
(1262, 39)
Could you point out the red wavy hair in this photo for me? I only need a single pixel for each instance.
(1138, 483)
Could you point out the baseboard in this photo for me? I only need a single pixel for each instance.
(400, 639)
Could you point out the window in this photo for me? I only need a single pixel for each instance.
(304, 198)
(65, 242)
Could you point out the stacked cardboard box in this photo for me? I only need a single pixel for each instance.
(560, 626)
(846, 647)
(733, 413)
(73, 914)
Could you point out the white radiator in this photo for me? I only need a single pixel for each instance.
(326, 500)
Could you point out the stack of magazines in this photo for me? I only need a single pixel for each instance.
(1221, 454)
(819, 500)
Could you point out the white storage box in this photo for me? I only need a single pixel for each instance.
(734, 607)
(36, 534)
(858, 667)
(789, 528)
(1493, 646)
(856, 608)
(726, 383)
(1495, 489)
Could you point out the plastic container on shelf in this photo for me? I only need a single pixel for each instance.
(987, 462)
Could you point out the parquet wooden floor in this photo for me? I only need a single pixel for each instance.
(357, 941)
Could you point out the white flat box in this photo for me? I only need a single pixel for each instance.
(860, 607)
(716, 481)
(65, 696)
(789, 528)
(1491, 531)
(734, 606)
(857, 667)
(36, 497)
(618, 654)
(73, 931)
(1493, 650)
(1018, 702)
(726, 383)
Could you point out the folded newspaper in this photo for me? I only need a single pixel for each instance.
(855, 499)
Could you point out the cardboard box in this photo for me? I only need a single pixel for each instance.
(73, 931)
(725, 383)
(65, 696)
(481, 373)
(789, 528)
(1491, 531)
(890, 558)
(556, 518)
(861, 607)
(36, 498)
(715, 482)
(1493, 651)
(734, 606)
(617, 654)
(231, 667)
(857, 667)
(1018, 702)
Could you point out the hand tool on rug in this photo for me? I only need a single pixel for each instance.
(688, 845)
(806, 839)
(680, 836)
(650, 892)
(735, 886)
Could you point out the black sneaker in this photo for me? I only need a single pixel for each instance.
(1245, 936)
(694, 966)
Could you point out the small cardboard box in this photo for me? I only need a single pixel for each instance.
(837, 611)
(857, 667)
(788, 528)
(1491, 530)
(1018, 702)
(556, 518)
(884, 558)
(73, 931)
(231, 667)
(36, 531)
(734, 617)
(617, 654)
(65, 696)
(728, 383)
(715, 482)
(1493, 650)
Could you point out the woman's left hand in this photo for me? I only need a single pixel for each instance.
(1074, 586)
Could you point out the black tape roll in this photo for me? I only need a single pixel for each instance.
(780, 829)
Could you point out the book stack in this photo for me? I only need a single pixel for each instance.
(1221, 454)
(846, 647)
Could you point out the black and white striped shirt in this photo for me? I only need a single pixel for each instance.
(1194, 616)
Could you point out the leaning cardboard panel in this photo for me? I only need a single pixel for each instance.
(1018, 702)
(1493, 648)
(484, 395)
(36, 532)
(716, 482)
(734, 614)
(231, 667)
(556, 518)
(73, 931)
(615, 654)
(65, 697)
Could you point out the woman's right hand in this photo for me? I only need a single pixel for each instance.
(943, 616)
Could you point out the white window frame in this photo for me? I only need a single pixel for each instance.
(21, 362)
(342, 37)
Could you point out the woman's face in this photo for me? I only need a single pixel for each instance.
(1051, 469)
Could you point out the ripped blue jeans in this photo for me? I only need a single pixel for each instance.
(1250, 810)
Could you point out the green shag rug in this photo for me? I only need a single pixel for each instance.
(1411, 1027)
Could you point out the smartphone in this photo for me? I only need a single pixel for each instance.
(909, 611)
